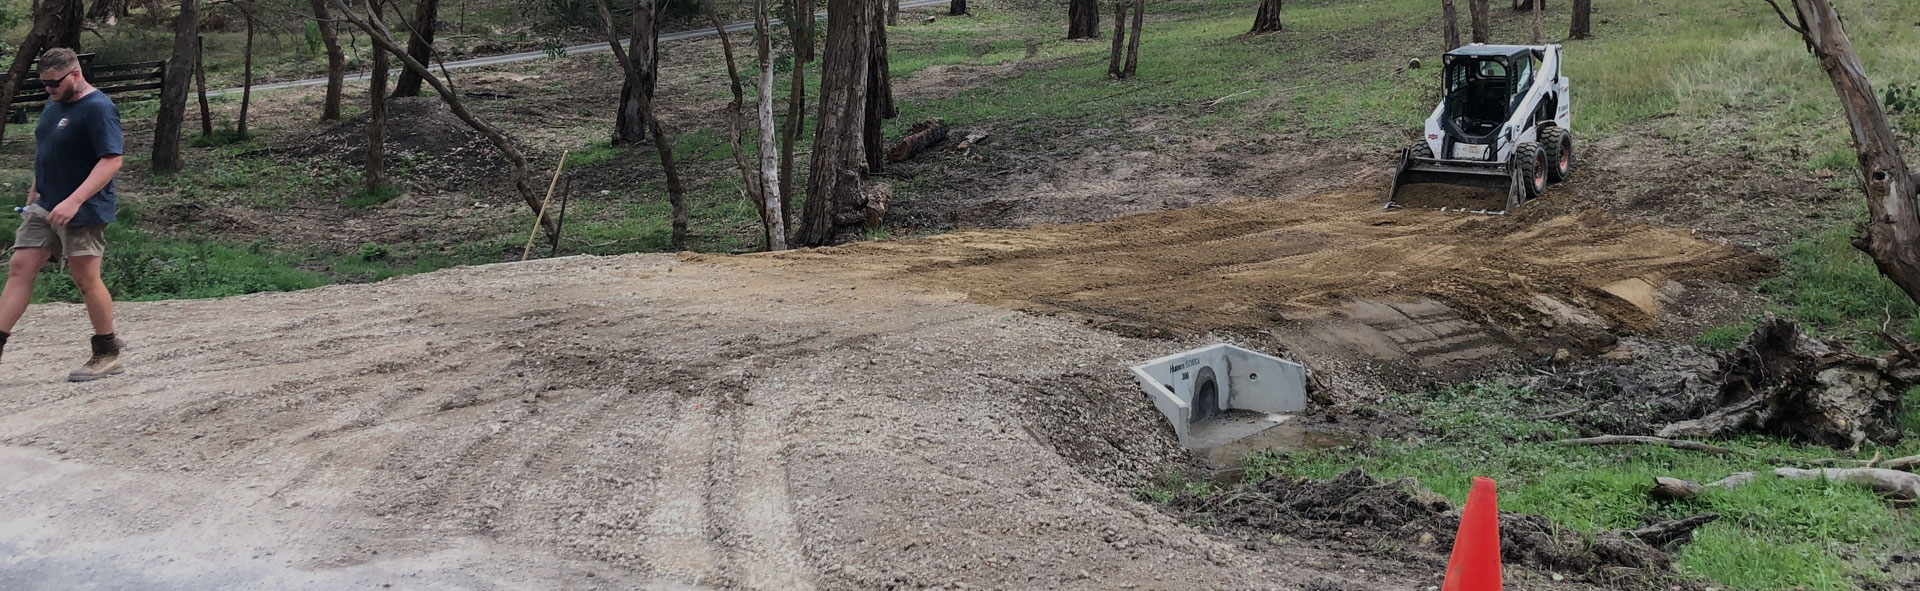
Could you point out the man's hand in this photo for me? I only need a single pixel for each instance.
(63, 212)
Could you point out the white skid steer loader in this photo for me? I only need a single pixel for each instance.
(1504, 125)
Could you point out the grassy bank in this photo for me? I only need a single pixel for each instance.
(1772, 534)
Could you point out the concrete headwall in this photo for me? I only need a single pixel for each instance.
(1252, 381)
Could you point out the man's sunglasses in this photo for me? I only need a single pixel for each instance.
(55, 83)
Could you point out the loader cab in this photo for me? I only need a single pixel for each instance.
(1484, 84)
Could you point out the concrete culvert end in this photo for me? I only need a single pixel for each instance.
(1197, 391)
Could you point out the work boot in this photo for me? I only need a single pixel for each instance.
(105, 361)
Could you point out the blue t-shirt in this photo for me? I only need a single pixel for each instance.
(70, 139)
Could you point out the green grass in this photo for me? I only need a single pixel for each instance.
(1837, 292)
(1772, 534)
(1725, 338)
(370, 197)
(140, 266)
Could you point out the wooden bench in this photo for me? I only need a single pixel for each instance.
(113, 79)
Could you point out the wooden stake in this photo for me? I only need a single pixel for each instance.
(538, 215)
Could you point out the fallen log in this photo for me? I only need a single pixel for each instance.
(1733, 480)
(1909, 464)
(1644, 440)
(924, 135)
(1667, 534)
(1893, 484)
(1674, 489)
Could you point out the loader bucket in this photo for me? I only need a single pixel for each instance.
(1454, 185)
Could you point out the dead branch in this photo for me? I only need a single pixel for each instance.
(1909, 464)
(1674, 489)
(1733, 480)
(1672, 532)
(383, 41)
(1562, 414)
(1893, 484)
(1898, 346)
(1644, 440)
(1797, 28)
(736, 118)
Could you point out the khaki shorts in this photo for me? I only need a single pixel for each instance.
(62, 242)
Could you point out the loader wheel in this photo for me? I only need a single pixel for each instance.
(1533, 168)
(1559, 145)
(1422, 150)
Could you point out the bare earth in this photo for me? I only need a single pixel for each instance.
(840, 418)
(634, 422)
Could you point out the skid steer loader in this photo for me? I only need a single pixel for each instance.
(1502, 131)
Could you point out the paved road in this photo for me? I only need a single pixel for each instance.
(533, 55)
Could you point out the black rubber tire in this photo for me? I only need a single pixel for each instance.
(1421, 150)
(1559, 146)
(1532, 158)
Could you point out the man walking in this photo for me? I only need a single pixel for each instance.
(76, 153)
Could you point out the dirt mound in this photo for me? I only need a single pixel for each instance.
(1440, 292)
(1442, 196)
(1099, 424)
(1403, 519)
(421, 128)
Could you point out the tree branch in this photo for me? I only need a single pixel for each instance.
(1641, 439)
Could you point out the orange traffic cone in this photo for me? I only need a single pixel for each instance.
(1475, 565)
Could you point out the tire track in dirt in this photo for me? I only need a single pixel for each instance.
(765, 545)
(679, 529)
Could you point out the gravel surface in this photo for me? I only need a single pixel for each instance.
(599, 423)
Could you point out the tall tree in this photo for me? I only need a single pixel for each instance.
(1481, 30)
(73, 21)
(772, 215)
(1119, 39)
(643, 55)
(419, 45)
(246, 77)
(1582, 17)
(800, 29)
(835, 183)
(200, 85)
(957, 8)
(1451, 24)
(676, 195)
(1538, 7)
(376, 165)
(1133, 40)
(49, 22)
(1083, 19)
(1268, 18)
(893, 13)
(1891, 234)
(336, 61)
(384, 44)
(879, 94)
(173, 89)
